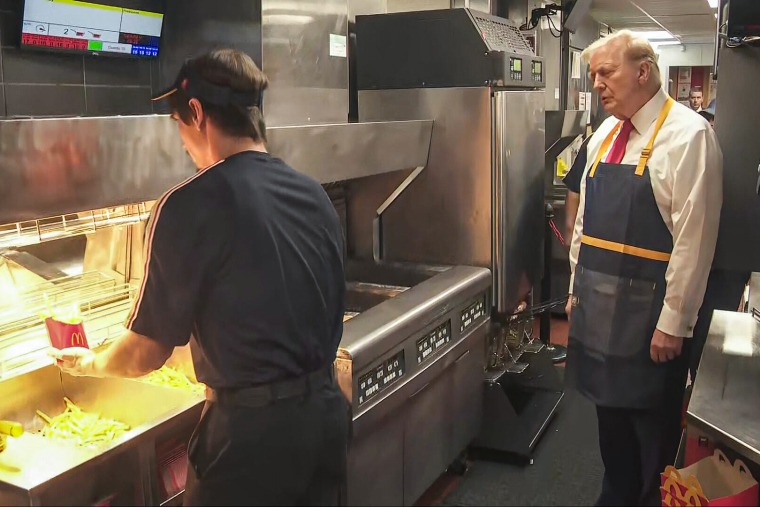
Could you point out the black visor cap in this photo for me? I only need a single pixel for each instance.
(196, 87)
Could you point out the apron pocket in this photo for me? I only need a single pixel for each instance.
(633, 328)
(593, 306)
(611, 330)
(612, 316)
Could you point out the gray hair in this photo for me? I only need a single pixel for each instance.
(637, 50)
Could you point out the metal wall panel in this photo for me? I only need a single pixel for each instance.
(297, 44)
(445, 216)
(518, 195)
(736, 125)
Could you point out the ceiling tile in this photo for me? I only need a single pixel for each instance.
(688, 20)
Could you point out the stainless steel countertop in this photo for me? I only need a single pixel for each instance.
(725, 401)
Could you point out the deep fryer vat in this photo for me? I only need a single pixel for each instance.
(33, 464)
(369, 284)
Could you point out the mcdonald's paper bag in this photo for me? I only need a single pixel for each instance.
(712, 481)
(64, 334)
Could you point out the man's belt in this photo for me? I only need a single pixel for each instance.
(266, 394)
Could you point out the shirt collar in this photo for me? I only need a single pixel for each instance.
(649, 112)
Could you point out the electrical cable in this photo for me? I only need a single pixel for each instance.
(538, 13)
(552, 25)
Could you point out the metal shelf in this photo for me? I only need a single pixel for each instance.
(103, 303)
(31, 232)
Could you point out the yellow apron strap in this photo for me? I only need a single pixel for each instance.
(635, 251)
(647, 152)
(603, 150)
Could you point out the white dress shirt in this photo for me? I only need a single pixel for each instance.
(686, 171)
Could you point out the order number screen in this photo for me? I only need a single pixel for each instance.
(91, 27)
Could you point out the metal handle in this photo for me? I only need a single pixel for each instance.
(717, 38)
(377, 223)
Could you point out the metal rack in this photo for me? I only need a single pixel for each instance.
(102, 301)
(31, 232)
(509, 344)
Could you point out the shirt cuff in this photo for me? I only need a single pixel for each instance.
(572, 279)
(675, 323)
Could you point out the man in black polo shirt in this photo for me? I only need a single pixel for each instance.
(245, 261)
(572, 181)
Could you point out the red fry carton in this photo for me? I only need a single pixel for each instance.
(64, 335)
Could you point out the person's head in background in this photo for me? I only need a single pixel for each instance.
(696, 98)
(623, 69)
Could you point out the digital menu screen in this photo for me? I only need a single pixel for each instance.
(108, 27)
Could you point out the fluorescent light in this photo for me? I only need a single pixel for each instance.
(666, 43)
(285, 19)
(716, 15)
(713, 3)
(655, 35)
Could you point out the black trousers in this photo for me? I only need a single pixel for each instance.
(291, 452)
(637, 445)
(724, 292)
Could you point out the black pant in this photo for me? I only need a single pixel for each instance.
(636, 445)
(724, 292)
(292, 452)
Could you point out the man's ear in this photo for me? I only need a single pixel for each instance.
(645, 70)
(199, 115)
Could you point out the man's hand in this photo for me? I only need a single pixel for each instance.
(77, 361)
(665, 347)
(569, 307)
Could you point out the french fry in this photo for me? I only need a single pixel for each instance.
(83, 428)
(167, 376)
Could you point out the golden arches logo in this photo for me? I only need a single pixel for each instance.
(78, 340)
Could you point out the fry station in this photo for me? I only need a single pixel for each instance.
(78, 193)
(442, 133)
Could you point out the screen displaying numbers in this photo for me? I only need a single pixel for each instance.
(91, 27)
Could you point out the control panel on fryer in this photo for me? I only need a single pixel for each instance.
(537, 71)
(381, 377)
(515, 69)
(433, 341)
(474, 312)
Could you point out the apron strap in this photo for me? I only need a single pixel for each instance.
(635, 251)
(647, 152)
(605, 146)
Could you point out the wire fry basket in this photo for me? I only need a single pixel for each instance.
(516, 337)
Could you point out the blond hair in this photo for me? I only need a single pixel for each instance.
(636, 49)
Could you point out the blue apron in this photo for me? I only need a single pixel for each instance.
(619, 285)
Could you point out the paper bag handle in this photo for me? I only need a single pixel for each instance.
(673, 473)
(720, 456)
(671, 485)
(692, 483)
(669, 499)
(691, 497)
(741, 467)
(738, 464)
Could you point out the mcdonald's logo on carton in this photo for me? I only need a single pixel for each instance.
(64, 335)
(78, 340)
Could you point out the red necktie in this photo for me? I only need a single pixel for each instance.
(618, 148)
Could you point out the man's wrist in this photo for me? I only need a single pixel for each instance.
(96, 365)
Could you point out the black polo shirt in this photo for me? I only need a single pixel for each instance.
(574, 176)
(247, 257)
